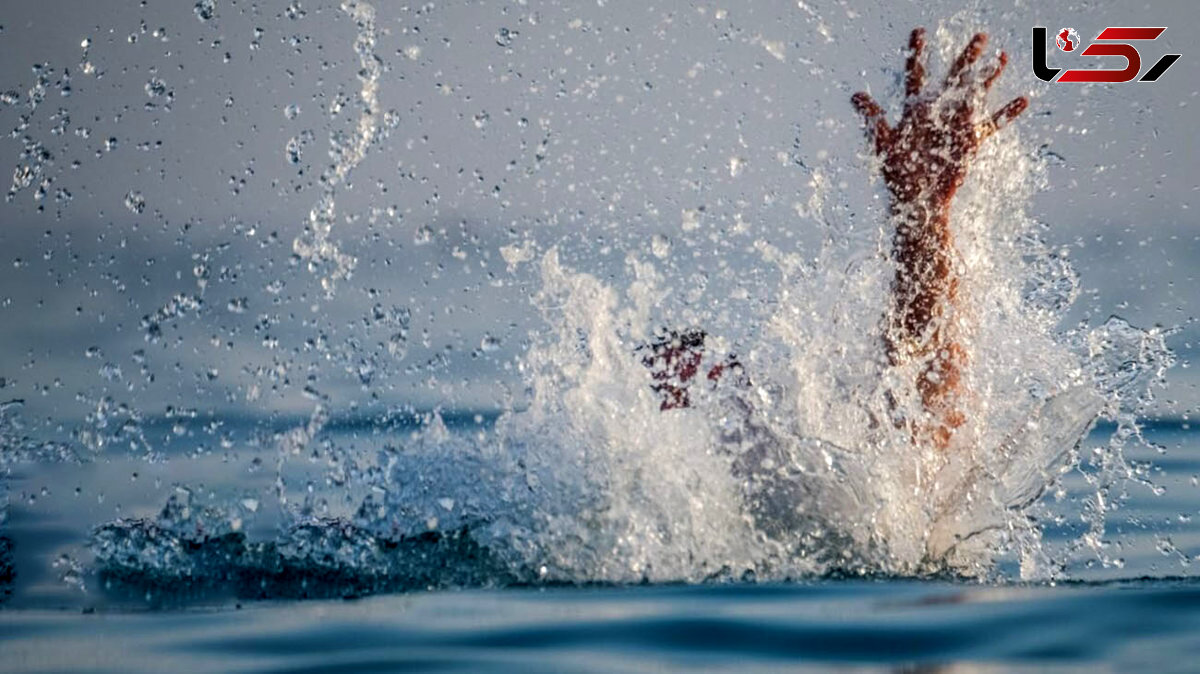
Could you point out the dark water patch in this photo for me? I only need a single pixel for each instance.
(142, 560)
(8, 570)
(400, 664)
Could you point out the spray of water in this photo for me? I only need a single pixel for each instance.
(802, 469)
(794, 469)
(322, 253)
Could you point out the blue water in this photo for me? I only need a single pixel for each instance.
(1142, 613)
(1151, 625)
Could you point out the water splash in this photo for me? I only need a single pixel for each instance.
(323, 255)
(796, 470)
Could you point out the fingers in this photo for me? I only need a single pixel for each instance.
(877, 126)
(1003, 61)
(1003, 116)
(866, 106)
(1013, 108)
(915, 69)
(968, 56)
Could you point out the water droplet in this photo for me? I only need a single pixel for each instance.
(736, 166)
(490, 343)
(135, 202)
(660, 245)
(206, 9)
(155, 87)
(293, 150)
(504, 37)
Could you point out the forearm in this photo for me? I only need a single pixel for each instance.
(924, 160)
(924, 316)
(926, 285)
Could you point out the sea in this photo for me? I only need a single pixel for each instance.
(1139, 613)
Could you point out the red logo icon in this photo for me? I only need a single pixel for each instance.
(1112, 41)
(1067, 39)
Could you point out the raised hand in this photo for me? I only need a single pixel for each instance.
(925, 156)
(924, 162)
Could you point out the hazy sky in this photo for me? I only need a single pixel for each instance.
(594, 123)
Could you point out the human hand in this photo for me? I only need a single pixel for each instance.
(925, 156)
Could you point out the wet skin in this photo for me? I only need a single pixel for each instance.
(924, 160)
(674, 360)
